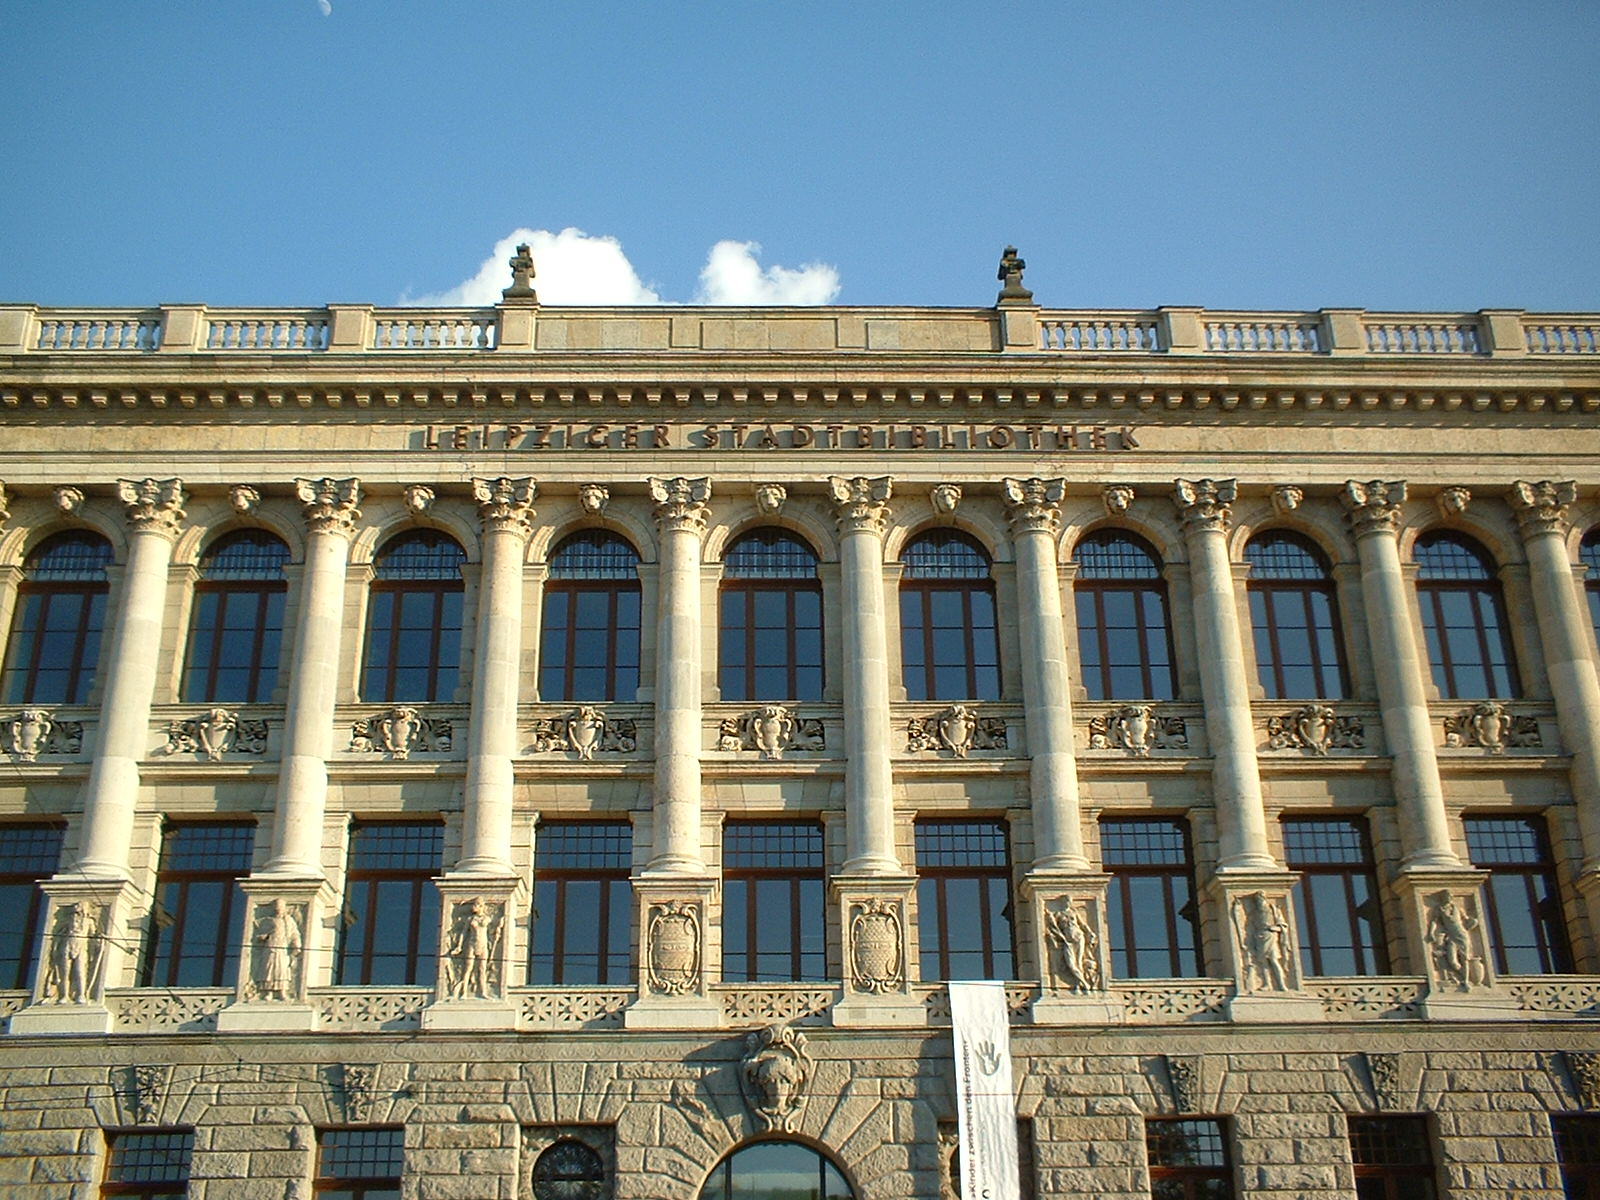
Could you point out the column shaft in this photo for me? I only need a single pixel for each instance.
(681, 512)
(113, 788)
(1230, 724)
(869, 775)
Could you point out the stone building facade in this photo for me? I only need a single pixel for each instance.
(537, 752)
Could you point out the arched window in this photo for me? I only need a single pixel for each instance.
(776, 1171)
(589, 637)
(60, 615)
(237, 629)
(1124, 643)
(1463, 618)
(1295, 618)
(1589, 555)
(569, 1170)
(414, 619)
(770, 620)
(949, 646)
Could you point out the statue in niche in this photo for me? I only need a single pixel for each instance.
(1075, 945)
(473, 945)
(278, 946)
(1263, 933)
(73, 973)
(1450, 937)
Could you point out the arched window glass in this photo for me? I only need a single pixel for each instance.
(1463, 619)
(60, 615)
(589, 636)
(776, 1171)
(414, 619)
(1124, 642)
(1589, 555)
(1295, 619)
(949, 646)
(569, 1170)
(237, 628)
(770, 619)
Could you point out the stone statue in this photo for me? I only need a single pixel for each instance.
(472, 950)
(1075, 944)
(1263, 933)
(1450, 930)
(278, 946)
(74, 957)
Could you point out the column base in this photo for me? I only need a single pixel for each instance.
(259, 1017)
(1078, 1008)
(1445, 933)
(860, 1010)
(61, 1019)
(1479, 1005)
(461, 1016)
(673, 1012)
(1267, 1009)
(674, 949)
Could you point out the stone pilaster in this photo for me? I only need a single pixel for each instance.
(1034, 509)
(477, 916)
(505, 507)
(331, 515)
(155, 514)
(861, 507)
(283, 955)
(1568, 641)
(675, 969)
(1260, 946)
(1072, 947)
(681, 514)
(1445, 916)
(874, 935)
(1203, 505)
(1373, 512)
(84, 948)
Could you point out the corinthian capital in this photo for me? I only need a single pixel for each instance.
(1203, 503)
(681, 503)
(1373, 507)
(5, 511)
(1542, 507)
(330, 504)
(154, 505)
(505, 505)
(860, 504)
(1033, 505)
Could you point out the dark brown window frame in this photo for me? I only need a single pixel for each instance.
(613, 966)
(164, 943)
(1577, 1139)
(1118, 893)
(1487, 599)
(20, 680)
(357, 1185)
(118, 1139)
(230, 590)
(31, 933)
(916, 603)
(1413, 1179)
(1554, 946)
(357, 969)
(1094, 590)
(1589, 556)
(1311, 920)
(1188, 1178)
(749, 971)
(738, 682)
(1265, 623)
(379, 683)
(938, 876)
(612, 587)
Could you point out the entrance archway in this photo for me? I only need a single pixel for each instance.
(776, 1170)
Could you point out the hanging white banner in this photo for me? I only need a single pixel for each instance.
(985, 1102)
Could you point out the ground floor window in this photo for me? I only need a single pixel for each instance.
(152, 1164)
(776, 1171)
(360, 1164)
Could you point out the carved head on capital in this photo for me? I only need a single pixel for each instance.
(1033, 502)
(861, 501)
(681, 501)
(1205, 503)
(1542, 507)
(153, 504)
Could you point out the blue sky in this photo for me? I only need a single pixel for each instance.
(1260, 155)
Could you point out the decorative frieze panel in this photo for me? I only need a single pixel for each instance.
(358, 1010)
(958, 731)
(169, 1010)
(1137, 730)
(573, 1008)
(398, 731)
(771, 730)
(37, 731)
(744, 1004)
(215, 733)
(585, 732)
(1316, 729)
(1192, 1000)
(1494, 727)
(1365, 1000)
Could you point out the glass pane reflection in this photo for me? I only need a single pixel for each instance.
(776, 1171)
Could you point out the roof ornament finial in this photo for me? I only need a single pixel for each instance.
(521, 275)
(1010, 274)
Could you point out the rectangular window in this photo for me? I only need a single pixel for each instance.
(581, 903)
(773, 912)
(1524, 907)
(360, 1164)
(391, 908)
(152, 1164)
(197, 921)
(28, 853)
(1391, 1157)
(1150, 905)
(1336, 898)
(964, 900)
(1188, 1159)
(1578, 1153)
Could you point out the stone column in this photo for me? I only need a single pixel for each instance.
(861, 506)
(1373, 511)
(1568, 639)
(505, 507)
(331, 515)
(1203, 504)
(681, 514)
(155, 509)
(1034, 509)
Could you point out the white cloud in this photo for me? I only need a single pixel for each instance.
(573, 267)
(733, 276)
(326, 7)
